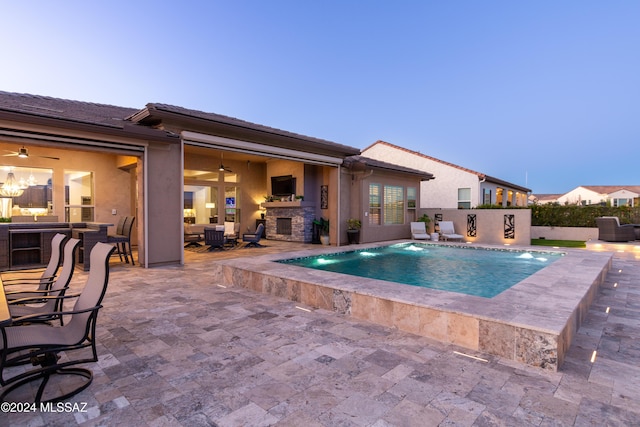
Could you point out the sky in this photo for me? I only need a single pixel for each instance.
(543, 94)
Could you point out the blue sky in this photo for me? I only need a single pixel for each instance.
(543, 94)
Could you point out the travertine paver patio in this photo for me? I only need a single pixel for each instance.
(178, 350)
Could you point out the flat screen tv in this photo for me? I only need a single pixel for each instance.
(283, 185)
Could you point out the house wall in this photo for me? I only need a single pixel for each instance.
(164, 200)
(441, 192)
(489, 224)
(624, 194)
(359, 206)
(579, 194)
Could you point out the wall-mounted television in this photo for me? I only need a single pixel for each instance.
(283, 185)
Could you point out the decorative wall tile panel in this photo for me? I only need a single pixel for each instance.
(471, 225)
(510, 226)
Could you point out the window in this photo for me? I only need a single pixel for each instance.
(411, 204)
(486, 196)
(79, 203)
(374, 204)
(464, 198)
(28, 188)
(622, 202)
(393, 204)
(231, 204)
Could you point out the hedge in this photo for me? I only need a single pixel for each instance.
(580, 216)
(551, 215)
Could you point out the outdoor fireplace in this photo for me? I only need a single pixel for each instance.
(289, 221)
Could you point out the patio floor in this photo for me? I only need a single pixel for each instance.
(178, 350)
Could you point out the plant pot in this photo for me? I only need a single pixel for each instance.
(353, 237)
(324, 239)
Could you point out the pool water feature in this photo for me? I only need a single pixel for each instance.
(532, 322)
(464, 269)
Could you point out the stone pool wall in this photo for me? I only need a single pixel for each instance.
(534, 322)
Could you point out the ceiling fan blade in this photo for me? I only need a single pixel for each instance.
(24, 153)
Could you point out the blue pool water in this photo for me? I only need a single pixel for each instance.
(462, 269)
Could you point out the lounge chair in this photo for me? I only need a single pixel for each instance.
(253, 239)
(231, 230)
(39, 344)
(610, 230)
(447, 231)
(214, 237)
(419, 231)
(193, 234)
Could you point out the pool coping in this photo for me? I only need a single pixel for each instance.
(533, 322)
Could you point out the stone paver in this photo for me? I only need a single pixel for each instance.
(178, 350)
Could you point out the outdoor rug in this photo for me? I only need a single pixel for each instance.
(206, 248)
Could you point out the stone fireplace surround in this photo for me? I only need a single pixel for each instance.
(301, 214)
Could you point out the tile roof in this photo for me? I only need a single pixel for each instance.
(352, 161)
(478, 174)
(232, 121)
(56, 108)
(542, 197)
(608, 189)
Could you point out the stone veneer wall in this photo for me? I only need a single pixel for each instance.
(301, 223)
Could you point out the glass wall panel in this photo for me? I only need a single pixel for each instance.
(79, 203)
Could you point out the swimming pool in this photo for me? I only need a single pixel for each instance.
(463, 269)
(532, 322)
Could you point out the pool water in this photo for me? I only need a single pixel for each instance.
(464, 269)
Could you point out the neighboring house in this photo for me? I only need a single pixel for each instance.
(615, 195)
(167, 165)
(543, 199)
(454, 186)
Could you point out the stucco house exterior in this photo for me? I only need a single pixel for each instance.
(167, 165)
(454, 186)
(615, 195)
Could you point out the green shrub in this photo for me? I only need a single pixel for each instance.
(580, 216)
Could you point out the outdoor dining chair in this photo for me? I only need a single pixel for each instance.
(39, 344)
(52, 299)
(42, 279)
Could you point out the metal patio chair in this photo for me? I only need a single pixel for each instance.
(40, 344)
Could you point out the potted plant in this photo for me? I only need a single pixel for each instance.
(425, 218)
(353, 230)
(323, 227)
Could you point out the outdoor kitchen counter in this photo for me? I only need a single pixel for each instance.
(25, 245)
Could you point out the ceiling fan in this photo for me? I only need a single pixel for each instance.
(23, 153)
(222, 168)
